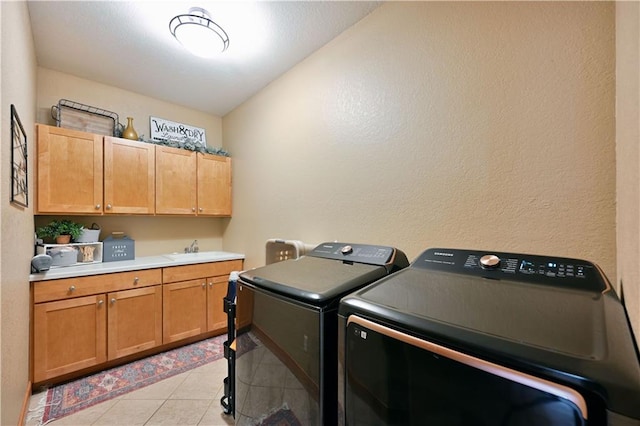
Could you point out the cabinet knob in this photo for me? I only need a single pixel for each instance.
(210, 284)
(72, 289)
(135, 280)
(113, 300)
(100, 302)
(193, 209)
(201, 209)
(98, 206)
(108, 206)
(204, 285)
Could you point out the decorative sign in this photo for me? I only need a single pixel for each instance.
(19, 185)
(165, 130)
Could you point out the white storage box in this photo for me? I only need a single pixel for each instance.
(72, 254)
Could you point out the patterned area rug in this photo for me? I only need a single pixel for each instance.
(74, 396)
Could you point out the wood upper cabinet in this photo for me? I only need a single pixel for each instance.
(85, 173)
(69, 171)
(175, 181)
(214, 185)
(129, 177)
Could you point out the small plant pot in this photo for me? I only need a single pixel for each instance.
(63, 239)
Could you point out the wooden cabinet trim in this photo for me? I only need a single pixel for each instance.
(199, 270)
(44, 291)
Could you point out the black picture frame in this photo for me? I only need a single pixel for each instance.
(19, 163)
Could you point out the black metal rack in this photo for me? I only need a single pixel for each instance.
(228, 399)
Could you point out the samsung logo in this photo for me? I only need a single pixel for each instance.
(440, 253)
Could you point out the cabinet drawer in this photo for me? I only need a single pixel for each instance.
(200, 270)
(44, 291)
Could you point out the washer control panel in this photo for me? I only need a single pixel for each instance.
(556, 271)
(357, 253)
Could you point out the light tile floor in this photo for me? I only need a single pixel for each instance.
(190, 398)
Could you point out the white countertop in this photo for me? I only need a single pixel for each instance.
(149, 262)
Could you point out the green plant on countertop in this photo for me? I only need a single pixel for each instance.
(56, 228)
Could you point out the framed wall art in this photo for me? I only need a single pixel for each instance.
(19, 175)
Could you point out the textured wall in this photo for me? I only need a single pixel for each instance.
(153, 235)
(479, 125)
(18, 75)
(628, 154)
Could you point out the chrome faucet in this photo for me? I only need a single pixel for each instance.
(193, 248)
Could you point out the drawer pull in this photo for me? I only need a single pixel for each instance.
(135, 280)
(72, 289)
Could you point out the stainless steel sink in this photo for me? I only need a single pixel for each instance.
(198, 255)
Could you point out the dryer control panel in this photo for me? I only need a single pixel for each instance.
(555, 271)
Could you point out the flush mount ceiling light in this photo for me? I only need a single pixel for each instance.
(198, 33)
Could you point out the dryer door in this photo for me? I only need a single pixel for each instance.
(410, 381)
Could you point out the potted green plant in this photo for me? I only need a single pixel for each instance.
(62, 231)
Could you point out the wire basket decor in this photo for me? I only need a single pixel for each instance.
(86, 118)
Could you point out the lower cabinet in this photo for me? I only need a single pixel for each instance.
(192, 299)
(184, 309)
(134, 321)
(79, 323)
(68, 335)
(216, 315)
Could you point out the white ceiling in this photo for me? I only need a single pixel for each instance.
(127, 44)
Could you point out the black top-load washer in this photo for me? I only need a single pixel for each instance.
(466, 337)
(286, 362)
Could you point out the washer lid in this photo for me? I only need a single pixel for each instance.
(313, 280)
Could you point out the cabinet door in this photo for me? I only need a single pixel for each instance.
(214, 185)
(129, 177)
(175, 181)
(68, 335)
(244, 307)
(134, 321)
(216, 316)
(69, 171)
(184, 312)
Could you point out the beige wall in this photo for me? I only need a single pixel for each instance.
(18, 85)
(628, 154)
(153, 235)
(478, 125)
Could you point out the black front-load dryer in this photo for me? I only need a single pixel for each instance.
(466, 337)
(287, 315)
